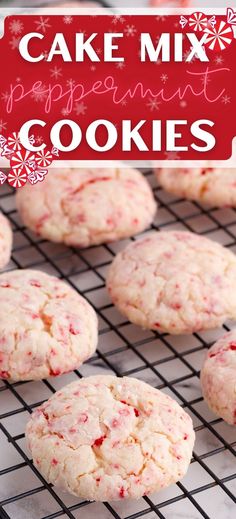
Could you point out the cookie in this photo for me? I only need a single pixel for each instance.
(218, 378)
(88, 206)
(175, 282)
(215, 187)
(5, 241)
(107, 438)
(46, 328)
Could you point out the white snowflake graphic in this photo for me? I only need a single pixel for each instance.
(5, 96)
(219, 60)
(120, 65)
(124, 102)
(39, 139)
(117, 18)
(3, 125)
(14, 43)
(70, 83)
(130, 30)
(39, 95)
(65, 112)
(183, 104)
(205, 79)
(42, 24)
(68, 19)
(93, 68)
(16, 27)
(80, 108)
(55, 72)
(164, 78)
(226, 100)
(153, 104)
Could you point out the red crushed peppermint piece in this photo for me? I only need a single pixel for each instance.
(82, 418)
(41, 221)
(124, 412)
(176, 306)
(55, 372)
(136, 411)
(4, 375)
(72, 430)
(73, 330)
(122, 492)
(35, 283)
(115, 423)
(99, 441)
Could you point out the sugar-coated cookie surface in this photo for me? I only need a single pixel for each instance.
(218, 378)
(176, 282)
(109, 438)
(5, 241)
(88, 206)
(215, 187)
(46, 328)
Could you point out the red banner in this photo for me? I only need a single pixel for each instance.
(121, 87)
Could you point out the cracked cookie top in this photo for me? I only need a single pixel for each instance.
(216, 187)
(88, 206)
(109, 438)
(218, 377)
(174, 281)
(46, 327)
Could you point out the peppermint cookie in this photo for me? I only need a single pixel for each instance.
(88, 207)
(215, 187)
(5, 241)
(175, 282)
(218, 378)
(107, 438)
(46, 328)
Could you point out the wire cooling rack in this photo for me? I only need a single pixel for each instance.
(167, 362)
(170, 363)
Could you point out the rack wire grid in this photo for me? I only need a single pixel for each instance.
(170, 363)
